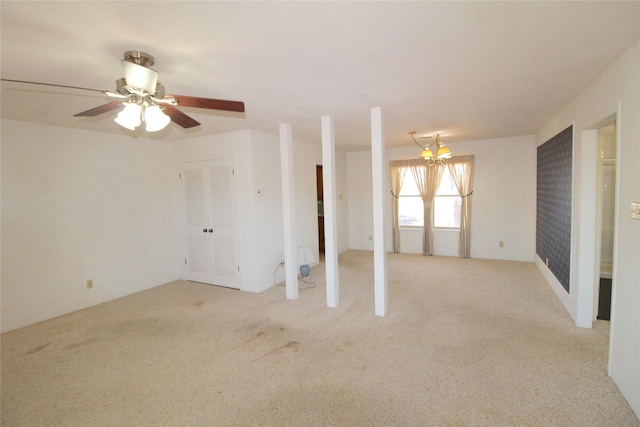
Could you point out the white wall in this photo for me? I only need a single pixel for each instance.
(306, 157)
(80, 205)
(266, 155)
(503, 201)
(617, 88)
(360, 200)
(257, 162)
(342, 204)
(268, 247)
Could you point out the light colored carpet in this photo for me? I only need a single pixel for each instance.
(467, 342)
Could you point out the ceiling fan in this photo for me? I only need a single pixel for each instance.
(143, 98)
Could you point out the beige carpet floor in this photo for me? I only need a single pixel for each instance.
(467, 342)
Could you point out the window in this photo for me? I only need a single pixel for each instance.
(410, 208)
(447, 202)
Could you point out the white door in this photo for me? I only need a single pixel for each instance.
(210, 214)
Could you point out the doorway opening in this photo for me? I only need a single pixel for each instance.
(606, 212)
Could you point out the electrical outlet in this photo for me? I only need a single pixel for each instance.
(90, 284)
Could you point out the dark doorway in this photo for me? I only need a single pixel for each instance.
(320, 193)
(604, 301)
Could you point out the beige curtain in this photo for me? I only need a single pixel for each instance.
(461, 169)
(398, 171)
(428, 179)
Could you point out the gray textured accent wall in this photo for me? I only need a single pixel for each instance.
(553, 217)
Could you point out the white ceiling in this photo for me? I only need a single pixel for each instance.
(468, 70)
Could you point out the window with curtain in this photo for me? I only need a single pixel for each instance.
(410, 207)
(447, 203)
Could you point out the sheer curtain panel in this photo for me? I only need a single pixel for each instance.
(461, 169)
(398, 171)
(427, 179)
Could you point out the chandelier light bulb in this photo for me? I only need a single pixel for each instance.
(443, 152)
(426, 154)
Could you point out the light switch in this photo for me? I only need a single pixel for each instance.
(635, 210)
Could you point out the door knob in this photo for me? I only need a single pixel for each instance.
(204, 230)
(211, 230)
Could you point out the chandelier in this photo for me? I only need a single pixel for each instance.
(442, 153)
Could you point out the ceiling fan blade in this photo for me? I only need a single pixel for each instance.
(180, 118)
(210, 104)
(101, 109)
(51, 84)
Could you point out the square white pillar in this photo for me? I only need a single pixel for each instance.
(288, 210)
(378, 173)
(330, 216)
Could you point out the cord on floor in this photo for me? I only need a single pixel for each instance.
(313, 284)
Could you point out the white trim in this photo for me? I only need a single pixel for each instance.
(556, 286)
(616, 231)
(587, 228)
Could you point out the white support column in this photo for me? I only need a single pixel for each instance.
(379, 248)
(288, 210)
(330, 216)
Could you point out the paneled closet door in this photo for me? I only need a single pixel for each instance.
(210, 214)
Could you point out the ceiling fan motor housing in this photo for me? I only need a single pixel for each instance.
(139, 57)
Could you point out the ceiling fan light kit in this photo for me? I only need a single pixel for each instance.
(129, 117)
(142, 93)
(144, 99)
(155, 119)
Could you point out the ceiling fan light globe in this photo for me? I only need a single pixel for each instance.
(140, 77)
(129, 117)
(155, 119)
